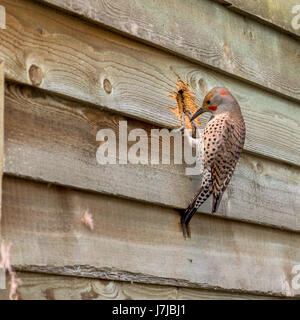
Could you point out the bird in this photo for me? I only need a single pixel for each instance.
(224, 137)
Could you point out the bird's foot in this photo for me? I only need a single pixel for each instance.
(181, 129)
(194, 122)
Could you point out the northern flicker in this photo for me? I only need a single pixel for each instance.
(224, 137)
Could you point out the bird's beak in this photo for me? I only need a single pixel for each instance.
(197, 113)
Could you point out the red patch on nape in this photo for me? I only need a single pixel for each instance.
(214, 108)
(224, 92)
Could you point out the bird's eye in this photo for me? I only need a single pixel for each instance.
(208, 102)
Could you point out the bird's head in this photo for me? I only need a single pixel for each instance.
(218, 100)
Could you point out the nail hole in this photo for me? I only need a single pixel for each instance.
(259, 167)
(107, 86)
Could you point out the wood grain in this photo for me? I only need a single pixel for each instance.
(2, 273)
(37, 286)
(206, 32)
(275, 13)
(54, 140)
(138, 75)
(141, 243)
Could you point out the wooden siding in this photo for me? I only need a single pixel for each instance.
(53, 139)
(132, 241)
(67, 76)
(275, 13)
(206, 32)
(74, 59)
(37, 286)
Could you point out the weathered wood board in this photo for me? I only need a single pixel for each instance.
(51, 140)
(54, 140)
(2, 273)
(37, 286)
(206, 32)
(276, 13)
(139, 76)
(136, 242)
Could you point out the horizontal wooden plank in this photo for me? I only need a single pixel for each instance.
(135, 242)
(138, 76)
(276, 13)
(54, 140)
(206, 32)
(36, 286)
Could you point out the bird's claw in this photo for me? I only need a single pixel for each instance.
(181, 129)
(195, 124)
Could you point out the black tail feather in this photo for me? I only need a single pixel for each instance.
(185, 228)
(186, 217)
(187, 214)
(216, 203)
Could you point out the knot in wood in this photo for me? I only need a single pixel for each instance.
(35, 75)
(107, 86)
